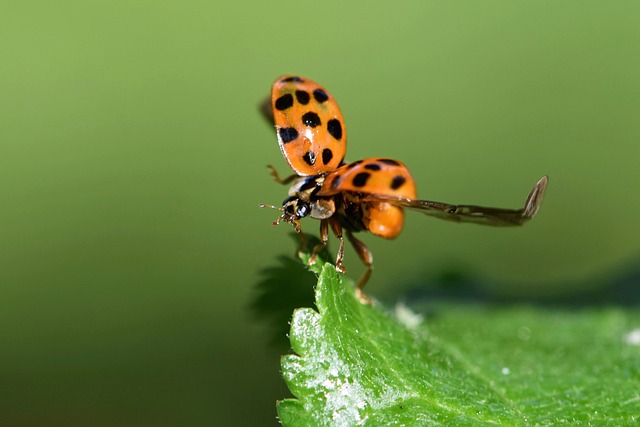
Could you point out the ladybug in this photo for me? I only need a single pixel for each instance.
(365, 195)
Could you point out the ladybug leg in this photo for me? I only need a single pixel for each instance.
(303, 241)
(337, 230)
(367, 259)
(324, 238)
(276, 177)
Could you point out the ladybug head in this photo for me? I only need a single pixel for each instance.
(293, 209)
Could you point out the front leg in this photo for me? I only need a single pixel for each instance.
(303, 240)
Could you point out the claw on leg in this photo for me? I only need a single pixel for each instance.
(362, 297)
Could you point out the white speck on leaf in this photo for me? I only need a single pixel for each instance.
(633, 337)
(407, 317)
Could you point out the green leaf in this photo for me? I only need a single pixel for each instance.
(468, 365)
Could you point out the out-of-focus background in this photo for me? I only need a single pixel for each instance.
(133, 288)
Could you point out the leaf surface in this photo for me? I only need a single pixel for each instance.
(467, 365)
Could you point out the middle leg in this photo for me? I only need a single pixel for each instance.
(324, 238)
(337, 230)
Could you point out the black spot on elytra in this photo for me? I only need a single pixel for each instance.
(335, 128)
(311, 119)
(292, 79)
(373, 167)
(360, 180)
(284, 102)
(327, 155)
(354, 164)
(389, 162)
(398, 181)
(336, 182)
(302, 97)
(287, 134)
(320, 95)
(310, 158)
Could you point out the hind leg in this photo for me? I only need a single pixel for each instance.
(367, 259)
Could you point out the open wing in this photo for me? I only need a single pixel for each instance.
(471, 213)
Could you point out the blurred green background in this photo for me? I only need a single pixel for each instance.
(132, 163)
